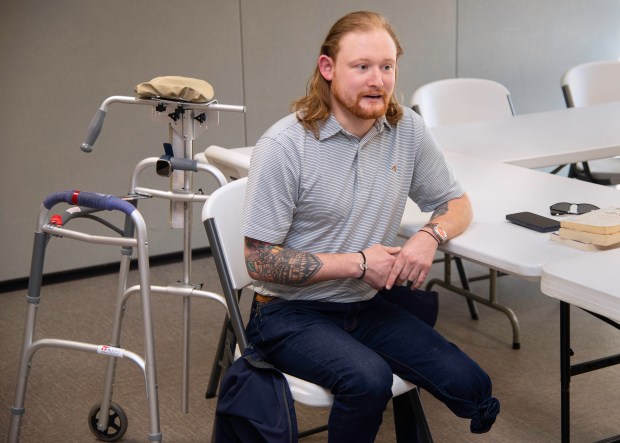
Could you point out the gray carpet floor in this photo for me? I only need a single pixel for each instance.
(64, 385)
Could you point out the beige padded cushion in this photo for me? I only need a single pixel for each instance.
(176, 88)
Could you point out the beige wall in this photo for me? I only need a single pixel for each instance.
(61, 59)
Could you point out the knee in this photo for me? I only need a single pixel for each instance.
(371, 383)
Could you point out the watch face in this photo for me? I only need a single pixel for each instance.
(441, 233)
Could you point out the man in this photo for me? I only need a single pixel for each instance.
(326, 191)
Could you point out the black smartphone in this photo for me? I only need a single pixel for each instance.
(534, 221)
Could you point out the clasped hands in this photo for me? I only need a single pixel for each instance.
(390, 266)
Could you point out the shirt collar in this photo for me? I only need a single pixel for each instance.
(331, 126)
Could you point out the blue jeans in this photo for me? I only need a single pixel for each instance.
(354, 348)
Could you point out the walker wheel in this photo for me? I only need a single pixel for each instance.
(117, 423)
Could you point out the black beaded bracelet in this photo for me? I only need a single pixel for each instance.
(363, 266)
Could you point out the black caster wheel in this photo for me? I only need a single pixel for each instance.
(117, 423)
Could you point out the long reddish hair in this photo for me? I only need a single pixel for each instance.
(314, 108)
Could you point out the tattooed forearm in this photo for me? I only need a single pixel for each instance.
(441, 210)
(275, 264)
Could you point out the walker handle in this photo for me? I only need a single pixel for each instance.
(90, 200)
(184, 164)
(93, 130)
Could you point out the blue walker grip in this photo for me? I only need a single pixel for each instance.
(90, 200)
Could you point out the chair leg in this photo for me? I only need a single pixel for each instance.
(585, 174)
(216, 370)
(313, 431)
(410, 419)
(224, 355)
(557, 169)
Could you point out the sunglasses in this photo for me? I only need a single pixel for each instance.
(571, 208)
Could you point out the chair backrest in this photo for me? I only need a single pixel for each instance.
(234, 163)
(223, 212)
(591, 83)
(221, 216)
(461, 100)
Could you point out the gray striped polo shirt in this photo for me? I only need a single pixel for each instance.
(340, 193)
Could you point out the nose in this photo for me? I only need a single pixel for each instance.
(376, 77)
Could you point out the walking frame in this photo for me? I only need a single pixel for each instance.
(186, 122)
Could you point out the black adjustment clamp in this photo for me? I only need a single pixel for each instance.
(163, 166)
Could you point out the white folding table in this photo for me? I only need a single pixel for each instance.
(539, 139)
(591, 282)
(497, 189)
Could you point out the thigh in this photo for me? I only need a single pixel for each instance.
(312, 346)
(418, 353)
(413, 349)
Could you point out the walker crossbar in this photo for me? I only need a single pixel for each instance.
(134, 189)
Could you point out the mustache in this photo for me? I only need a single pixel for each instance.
(377, 93)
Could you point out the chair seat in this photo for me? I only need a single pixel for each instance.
(312, 394)
(315, 395)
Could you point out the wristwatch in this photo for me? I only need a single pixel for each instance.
(439, 232)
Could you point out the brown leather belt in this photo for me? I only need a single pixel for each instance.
(263, 298)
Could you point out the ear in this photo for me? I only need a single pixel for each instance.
(326, 67)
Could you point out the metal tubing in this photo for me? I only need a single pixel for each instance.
(177, 290)
(212, 105)
(141, 166)
(491, 302)
(149, 340)
(33, 297)
(81, 346)
(119, 310)
(594, 365)
(172, 195)
(88, 238)
(565, 370)
(214, 172)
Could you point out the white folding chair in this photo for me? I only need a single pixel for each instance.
(590, 84)
(461, 100)
(222, 219)
(453, 101)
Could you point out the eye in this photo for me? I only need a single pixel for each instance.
(387, 68)
(362, 67)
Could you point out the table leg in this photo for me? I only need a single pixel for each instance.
(491, 302)
(565, 370)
